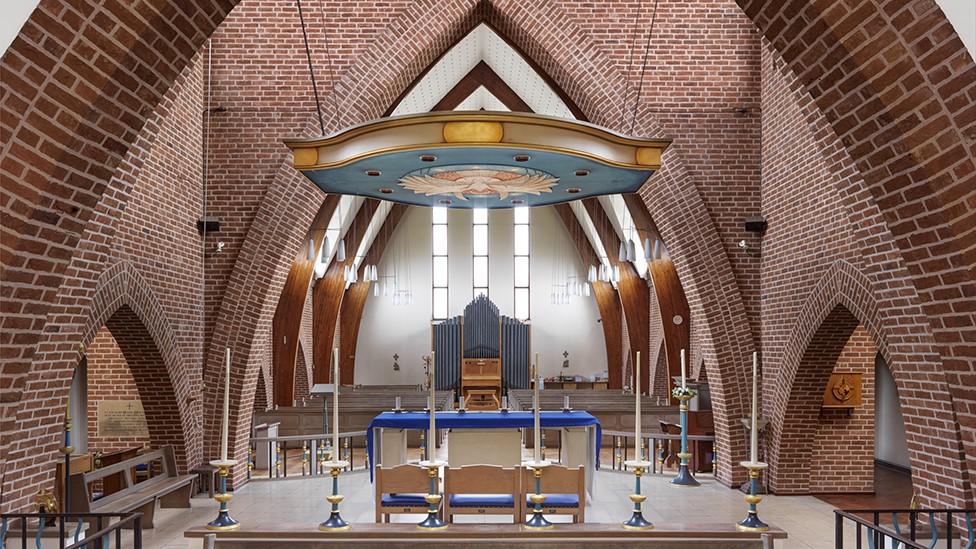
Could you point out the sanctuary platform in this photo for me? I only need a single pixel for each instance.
(487, 536)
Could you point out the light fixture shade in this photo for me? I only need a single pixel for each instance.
(586, 290)
(341, 252)
(622, 254)
(657, 249)
(631, 251)
(648, 251)
(376, 274)
(376, 290)
(311, 250)
(616, 273)
(325, 249)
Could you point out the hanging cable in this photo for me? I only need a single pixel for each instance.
(647, 49)
(311, 71)
(328, 57)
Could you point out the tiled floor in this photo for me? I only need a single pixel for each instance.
(808, 520)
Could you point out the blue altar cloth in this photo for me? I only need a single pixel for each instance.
(479, 420)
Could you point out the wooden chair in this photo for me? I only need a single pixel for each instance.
(481, 490)
(400, 490)
(564, 488)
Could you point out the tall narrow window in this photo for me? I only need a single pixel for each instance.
(479, 266)
(521, 263)
(439, 248)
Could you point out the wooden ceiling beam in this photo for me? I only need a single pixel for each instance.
(668, 291)
(482, 75)
(327, 296)
(286, 324)
(633, 290)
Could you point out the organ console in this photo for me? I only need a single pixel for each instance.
(483, 353)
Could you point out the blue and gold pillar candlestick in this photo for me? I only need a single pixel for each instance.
(223, 521)
(433, 497)
(752, 523)
(335, 523)
(538, 520)
(684, 476)
(637, 520)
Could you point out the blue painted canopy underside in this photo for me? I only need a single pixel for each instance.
(600, 178)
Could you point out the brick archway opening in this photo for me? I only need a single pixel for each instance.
(792, 472)
(125, 364)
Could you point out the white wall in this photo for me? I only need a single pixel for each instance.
(889, 431)
(387, 329)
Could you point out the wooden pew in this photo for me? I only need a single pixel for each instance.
(167, 488)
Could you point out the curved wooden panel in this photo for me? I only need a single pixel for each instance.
(327, 296)
(287, 319)
(634, 294)
(673, 303)
(607, 300)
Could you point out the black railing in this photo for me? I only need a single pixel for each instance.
(907, 528)
(315, 451)
(73, 530)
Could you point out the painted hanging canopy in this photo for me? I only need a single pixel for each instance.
(477, 159)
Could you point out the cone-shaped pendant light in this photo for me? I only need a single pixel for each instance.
(376, 290)
(622, 254)
(341, 252)
(311, 250)
(631, 251)
(648, 251)
(325, 249)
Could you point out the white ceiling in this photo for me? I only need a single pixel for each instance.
(483, 44)
(480, 99)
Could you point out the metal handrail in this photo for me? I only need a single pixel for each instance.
(313, 448)
(291, 438)
(878, 534)
(101, 538)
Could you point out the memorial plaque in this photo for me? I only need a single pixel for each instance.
(121, 418)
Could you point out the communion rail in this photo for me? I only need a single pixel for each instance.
(72, 530)
(315, 451)
(661, 443)
(952, 527)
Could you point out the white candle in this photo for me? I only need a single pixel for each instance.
(225, 423)
(504, 403)
(565, 402)
(754, 432)
(537, 430)
(683, 371)
(433, 428)
(460, 403)
(397, 403)
(637, 409)
(335, 406)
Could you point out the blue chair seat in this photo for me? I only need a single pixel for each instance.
(482, 500)
(556, 500)
(403, 500)
(142, 467)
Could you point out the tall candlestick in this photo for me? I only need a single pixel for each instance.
(637, 409)
(431, 446)
(683, 370)
(335, 406)
(754, 432)
(537, 431)
(224, 425)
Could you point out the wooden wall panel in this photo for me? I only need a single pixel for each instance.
(633, 290)
(607, 300)
(288, 314)
(668, 291)
(351, 313)
(327, 296)
(672, 301)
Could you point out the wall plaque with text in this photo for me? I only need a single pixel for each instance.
(121, 418)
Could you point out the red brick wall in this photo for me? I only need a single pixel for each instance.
(109, 378)
(883, 88)
(843, 448)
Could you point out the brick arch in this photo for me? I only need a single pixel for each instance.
(366, 92)
(842, 300)
(125, 304)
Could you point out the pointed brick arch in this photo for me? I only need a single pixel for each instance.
(842, 300)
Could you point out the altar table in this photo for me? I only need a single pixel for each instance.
(488, 420)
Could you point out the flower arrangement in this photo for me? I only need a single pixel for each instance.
(683, 392)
